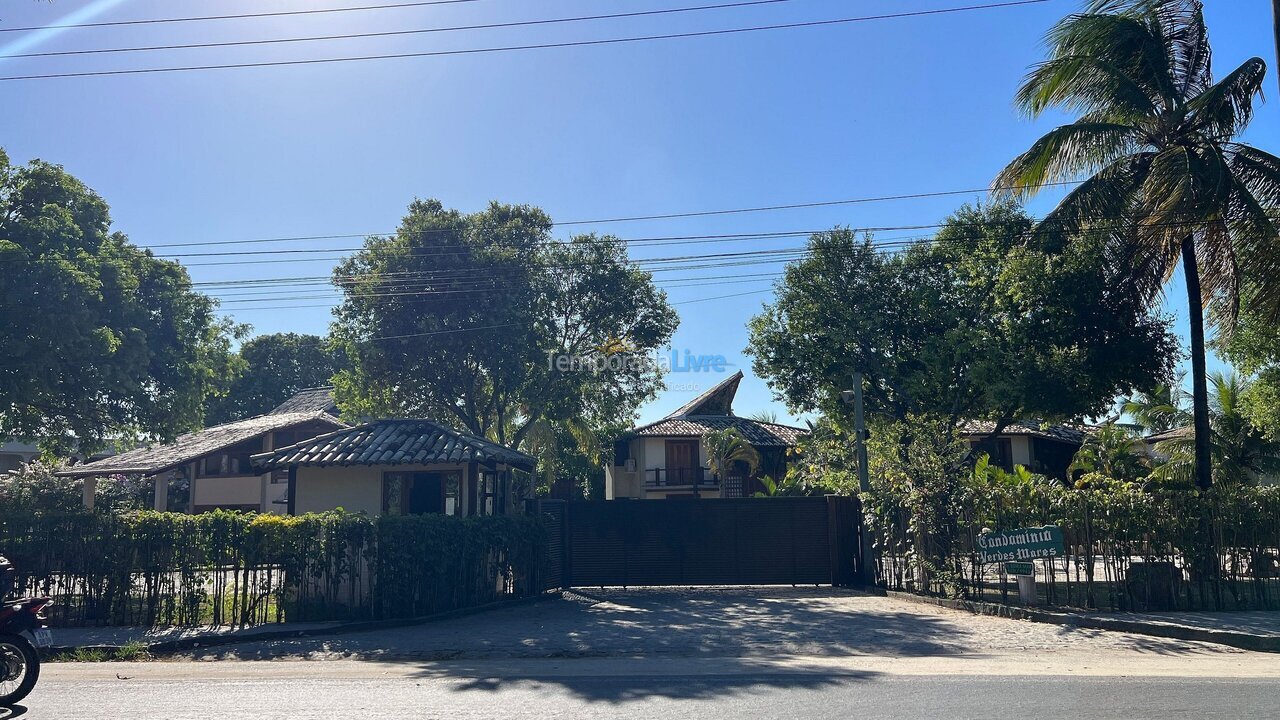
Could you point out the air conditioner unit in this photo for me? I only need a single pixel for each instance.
(630, 465)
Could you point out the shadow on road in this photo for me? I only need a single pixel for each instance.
(733, 677)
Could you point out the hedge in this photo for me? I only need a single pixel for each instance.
(1127, 548)
(231, 568)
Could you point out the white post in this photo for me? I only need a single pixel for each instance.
(162, 493)
(89, 493)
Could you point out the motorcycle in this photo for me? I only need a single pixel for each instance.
(23, 629)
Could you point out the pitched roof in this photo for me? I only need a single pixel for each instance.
(716, 401)
(393, 442)
(757, 432)
(155, 459)
(1066, 433)
(318, 399)
(1187, 432)
(713, 410)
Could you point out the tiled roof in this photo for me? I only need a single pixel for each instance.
(159, 458)
(318, 399)
(394, 442)
(1183, 433)
(756, 432)
(1074, 434)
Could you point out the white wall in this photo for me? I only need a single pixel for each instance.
(1020, 449)
(229, 490)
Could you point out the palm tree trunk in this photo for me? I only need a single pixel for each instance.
(1199, 380)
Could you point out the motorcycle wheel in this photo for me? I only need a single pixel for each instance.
(19, 668)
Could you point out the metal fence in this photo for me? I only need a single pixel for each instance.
(1126, 549)
(233, 569)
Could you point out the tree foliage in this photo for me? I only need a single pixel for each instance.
(271, 368)
(99, 340)
(460, 318)
(1166, 181)
(986, 321)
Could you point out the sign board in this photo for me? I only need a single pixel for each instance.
(1019, 568)
(1021, 545)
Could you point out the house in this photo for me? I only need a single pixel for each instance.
(666, 459)
(400, 467)
(215, 460)
(1040, 447)
(14, 454)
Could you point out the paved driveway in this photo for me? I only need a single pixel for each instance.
(716, 622)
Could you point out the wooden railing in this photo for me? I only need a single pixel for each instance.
(678, 477)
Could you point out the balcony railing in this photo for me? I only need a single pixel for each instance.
(678, 477)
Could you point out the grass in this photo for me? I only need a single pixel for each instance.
(135, 651)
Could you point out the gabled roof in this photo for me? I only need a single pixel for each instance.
(318, 399)
(155, 459)
(1065, 433)
(716, 401)
(713, 410)
(394, 442)
(1186, 432)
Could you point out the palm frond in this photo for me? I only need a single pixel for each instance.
(1066, 153)
(1224, 109)
(1087, 85)
(1127, 40)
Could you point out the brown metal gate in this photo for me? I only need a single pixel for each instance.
(744, 541)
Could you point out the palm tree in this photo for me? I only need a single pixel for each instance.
(1113, 451)
(726, 447)
(1159, 409)
(1165, 178)
(1241, 452)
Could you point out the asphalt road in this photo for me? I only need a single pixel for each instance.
(594, 688)
(740, 653)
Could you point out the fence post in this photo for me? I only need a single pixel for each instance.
(842, 538)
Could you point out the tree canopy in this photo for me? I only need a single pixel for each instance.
(99, 339)
(987, 320)
(463, 318)
(1166, 180)
(270, 369)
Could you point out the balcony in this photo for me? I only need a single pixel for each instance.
(678, 477)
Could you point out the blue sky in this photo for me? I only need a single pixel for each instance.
(790, 116)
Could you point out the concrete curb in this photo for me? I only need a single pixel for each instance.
(194, 643)
(1242, 640)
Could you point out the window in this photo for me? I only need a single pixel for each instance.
(1000, 450)
(407, 493)
(453, 494)
(488, 493)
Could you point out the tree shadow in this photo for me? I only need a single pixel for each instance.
(648, 622)
(733, 676)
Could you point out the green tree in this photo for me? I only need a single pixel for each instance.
(1113, 451)
(1240, 452)
(1159, 409)
(986, 321)
(1166, 179)
(725, 449)
(99, 340)
(271, 369)
(1254, 349)
(483, 321)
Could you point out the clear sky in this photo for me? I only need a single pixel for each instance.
(863, 109)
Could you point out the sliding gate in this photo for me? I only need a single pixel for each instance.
(744, 541)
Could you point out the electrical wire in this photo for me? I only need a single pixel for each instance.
(520, 48)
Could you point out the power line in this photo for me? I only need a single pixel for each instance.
(241, 16)
(635, 218)
(536, 46)
(393, 33)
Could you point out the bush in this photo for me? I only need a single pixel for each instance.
(231, 568)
